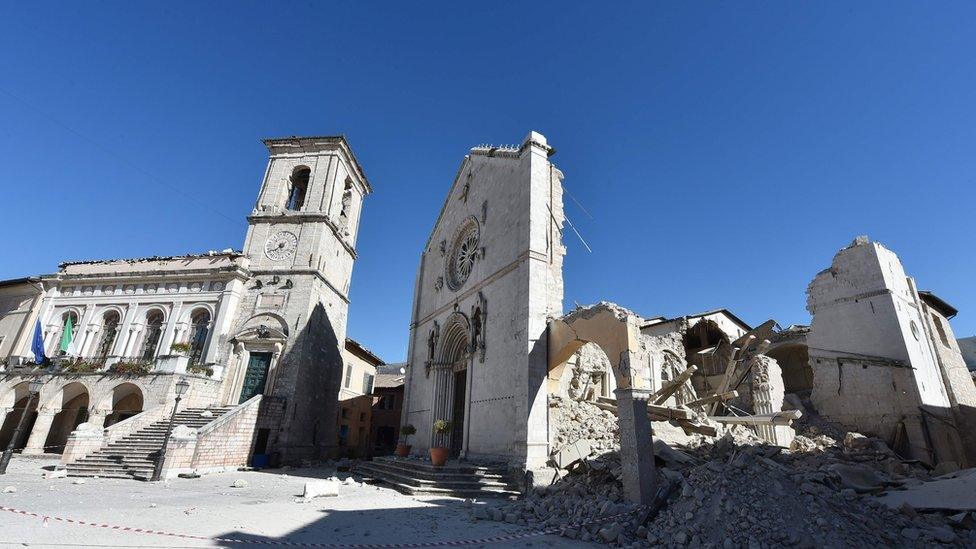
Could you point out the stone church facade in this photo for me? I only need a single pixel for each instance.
(267, 322)
(489, 281)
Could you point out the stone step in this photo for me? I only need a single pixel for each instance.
(139, 474)
(132, 455)
(449, 468)
(104, 470)
(471, 484)
(445, 476)
(121, 454)
(481, 493)
(94, 461)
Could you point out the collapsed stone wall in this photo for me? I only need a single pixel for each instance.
(736, 491)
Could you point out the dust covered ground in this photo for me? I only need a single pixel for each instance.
(264, 511)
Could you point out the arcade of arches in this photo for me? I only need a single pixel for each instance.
(59, 410)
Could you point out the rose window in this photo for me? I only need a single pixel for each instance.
(463, 254)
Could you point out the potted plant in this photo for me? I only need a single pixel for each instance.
(182, 349)
(403, 449)
(438, 454)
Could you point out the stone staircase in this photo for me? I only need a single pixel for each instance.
(132, 455)
(414, 477)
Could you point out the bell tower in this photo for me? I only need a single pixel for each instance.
(291, 322)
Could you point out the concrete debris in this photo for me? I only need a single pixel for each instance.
(79, 481)
(953, 492)
(572, 453)
(57, 473)
(321, 488)
(239, 483)
(10, 490)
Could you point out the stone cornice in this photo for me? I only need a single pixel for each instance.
(220, 273)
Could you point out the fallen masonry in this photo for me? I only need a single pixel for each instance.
(737, 490)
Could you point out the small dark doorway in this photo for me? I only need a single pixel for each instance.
(255, 376)
(457, 415)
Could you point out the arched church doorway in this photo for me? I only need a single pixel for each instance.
(453, 379)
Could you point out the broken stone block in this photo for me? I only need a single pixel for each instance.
(801, 443)
(9, 489)
(860, 478)
(669, 454)
(57, 473)
(321, 488)
(944, 468)
(79, 481)
(239, 483)
(943, 534)
(856, 441)
(611, 532)
(572, 453)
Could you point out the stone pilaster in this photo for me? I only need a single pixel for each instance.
(636, 446)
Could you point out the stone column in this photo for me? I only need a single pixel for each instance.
(636, 446)
(767, 398)
(97, 417)
(38, 435)
(130, 341)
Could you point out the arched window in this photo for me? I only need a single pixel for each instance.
(346, 202)
(154, 330)
(66, 333)
(298, 188)
(110, 328)
(199, 329)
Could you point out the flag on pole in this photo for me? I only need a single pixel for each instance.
(66, 336)
(38, 345)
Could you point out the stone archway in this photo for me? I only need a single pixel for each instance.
(451, 382)
(127, 401)
(74, 401)
(794, 360)
(617, 331)
(15, 405)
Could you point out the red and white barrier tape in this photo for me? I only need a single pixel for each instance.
(494, 539)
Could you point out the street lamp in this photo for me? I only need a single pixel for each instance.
(182, 386)
(33, 388)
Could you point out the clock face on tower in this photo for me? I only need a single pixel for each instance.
(280, 246)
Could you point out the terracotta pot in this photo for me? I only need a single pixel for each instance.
(403, 450)
(438, 456)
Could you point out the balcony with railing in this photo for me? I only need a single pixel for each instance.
(178, 363)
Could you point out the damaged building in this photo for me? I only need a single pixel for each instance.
(524, 387)
(258, 335)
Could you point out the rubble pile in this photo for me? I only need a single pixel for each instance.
(582, 420)
(737, 491)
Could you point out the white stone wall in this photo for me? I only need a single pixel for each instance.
(864, 309)
(132, 288)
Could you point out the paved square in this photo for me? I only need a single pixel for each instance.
(263, 511)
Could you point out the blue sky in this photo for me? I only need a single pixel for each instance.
(724, 150)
